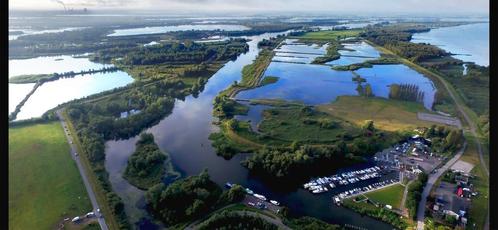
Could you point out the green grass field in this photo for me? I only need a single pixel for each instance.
(391, 195)
(282, 124)
(44, 183)
(389, 115)
(479, 207)
(329, 34)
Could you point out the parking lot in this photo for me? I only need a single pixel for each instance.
(410, 157)
(448, 200)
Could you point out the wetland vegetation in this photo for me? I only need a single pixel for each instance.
(148, 166)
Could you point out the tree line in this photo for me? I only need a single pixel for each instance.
(406, 92)
(175, 52)
(415, 194)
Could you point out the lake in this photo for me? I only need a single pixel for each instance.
(470, 42)
(184, 135)
(165, 29)
(318, 84)
(53, 93)
(51, 64)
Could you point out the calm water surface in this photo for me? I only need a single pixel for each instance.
(357, 52)
(318, 84)
(165, 29)
(184, 135)
(53, 93)
(52, 64)
(471, 40)
(17, 92)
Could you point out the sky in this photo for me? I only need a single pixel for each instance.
(336, 6)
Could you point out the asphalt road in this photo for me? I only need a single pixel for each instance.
(88, 187)
(428, 187)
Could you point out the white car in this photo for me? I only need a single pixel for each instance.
(75, 153)
(274, 202)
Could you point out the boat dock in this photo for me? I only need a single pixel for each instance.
(323, 184)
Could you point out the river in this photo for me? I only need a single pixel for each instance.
(184, 135)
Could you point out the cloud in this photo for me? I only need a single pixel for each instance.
(379, 6)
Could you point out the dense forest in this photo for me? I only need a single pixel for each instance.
(396, 38)
(444, 139)
(183, 200)
(186, 52)
(298, 163)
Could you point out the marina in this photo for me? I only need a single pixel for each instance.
(358, 191)
(320, 185)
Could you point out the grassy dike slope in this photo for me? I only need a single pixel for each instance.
(44, 183)
(389, 115)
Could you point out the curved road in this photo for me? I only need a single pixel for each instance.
(428, 187)
(88, 187)
(472, 126)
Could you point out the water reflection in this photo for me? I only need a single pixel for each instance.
(470, 41)
(52, 64)
(53, 93)
(319, 84)
(165, 29)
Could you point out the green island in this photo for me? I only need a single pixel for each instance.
(51, 188)
(148, 166)
(251, 74)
